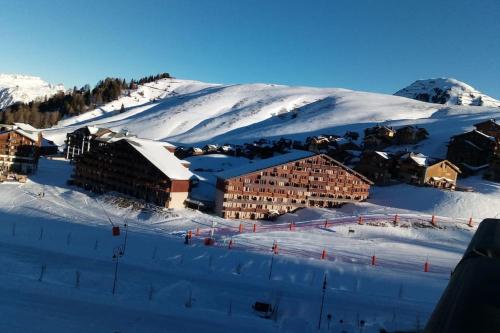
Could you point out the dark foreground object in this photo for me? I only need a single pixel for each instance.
(471, 302)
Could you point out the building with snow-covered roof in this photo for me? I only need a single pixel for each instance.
(277, 185)
(141, 168)
(82, 140)
(19, 149)
(418, 169)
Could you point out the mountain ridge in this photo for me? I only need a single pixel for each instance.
(24, 88)
(447, 91)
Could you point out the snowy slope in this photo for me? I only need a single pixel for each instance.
(68, 232)
(447, 91)
(22, 88)
(194, 112)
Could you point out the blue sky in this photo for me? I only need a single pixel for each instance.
(371, 45)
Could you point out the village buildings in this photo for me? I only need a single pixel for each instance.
(274, 186)
(87, 138)
(141, 168)
(19, 149)
(378, 137)
(418, 169)
(474, 150)
(378, 166)
(489, 127)
(408, 134)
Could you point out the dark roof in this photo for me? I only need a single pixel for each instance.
(489, 121)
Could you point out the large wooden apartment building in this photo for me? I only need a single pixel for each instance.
(19, 149)
(281, 184)
(141, 168)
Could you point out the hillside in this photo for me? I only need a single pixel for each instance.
(23, 88)
(192, 112)
(447, 91)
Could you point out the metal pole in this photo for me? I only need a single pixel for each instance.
(125, 241)
(322, 303)
(271, 266)
(117, 253)
(116, 258)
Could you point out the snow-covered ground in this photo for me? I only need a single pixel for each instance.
(46, 223)
(192, 112)
(23, 88)
(68, 231)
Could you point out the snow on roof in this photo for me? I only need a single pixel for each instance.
(264, 164)
(485, 135)
(93, 129)
(418, 158)
(25, 127)
(26, 130)
(383, 154)
(160, 157)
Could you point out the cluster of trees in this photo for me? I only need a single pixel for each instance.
(150, 78)
(46, 113)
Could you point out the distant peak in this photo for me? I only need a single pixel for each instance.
(447, 91)
(24, 88)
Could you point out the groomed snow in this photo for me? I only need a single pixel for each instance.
(162, 283)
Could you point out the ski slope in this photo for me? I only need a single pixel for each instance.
(164, 284)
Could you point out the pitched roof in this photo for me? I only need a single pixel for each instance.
(160, 157)
(257, 165)
(278, 160)
(27, 130)
(491, 121)
(383, 154)
(426, 161)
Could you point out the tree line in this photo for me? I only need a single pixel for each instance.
(47, 112)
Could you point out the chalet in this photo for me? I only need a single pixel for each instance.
(194, 151)
(410, 135)
(381, 131)
(319, 144)
(489, 127)
(141, 168)
(285, 183)
(210, 149)
(81, 140)
(19, 149)
(378, 166)
(418, 169)
(378, 137)
(472, 150)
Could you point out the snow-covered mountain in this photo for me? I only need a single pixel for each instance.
(447, 91)
(193, 112)
(23, 88)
